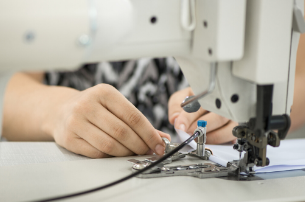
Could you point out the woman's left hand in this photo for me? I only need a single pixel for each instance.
(219, 129)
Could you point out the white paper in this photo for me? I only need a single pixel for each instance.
(289, 156)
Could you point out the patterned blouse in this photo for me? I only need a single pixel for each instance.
(146, 83)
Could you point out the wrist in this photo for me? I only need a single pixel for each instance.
(57, 102)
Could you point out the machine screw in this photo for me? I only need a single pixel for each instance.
(84, 40)
(29, 36)
(258, 162)
(218, 103)
(205, 24)
(234, 98)
(210, 51)
(267, 161)
(245, 147)
(153, 19)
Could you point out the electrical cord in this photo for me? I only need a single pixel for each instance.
(186, 142)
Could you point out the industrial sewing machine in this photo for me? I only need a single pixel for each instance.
(239, 56)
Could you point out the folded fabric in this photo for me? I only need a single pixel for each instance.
(290, 155)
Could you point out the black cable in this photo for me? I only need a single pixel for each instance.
(196, 134)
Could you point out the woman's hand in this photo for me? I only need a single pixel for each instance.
(219, 129)
(101, 122)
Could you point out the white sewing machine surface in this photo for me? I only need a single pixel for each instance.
(31, 170)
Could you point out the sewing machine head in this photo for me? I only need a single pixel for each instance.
(252, 81)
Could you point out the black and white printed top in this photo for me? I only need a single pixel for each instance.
(146, 83)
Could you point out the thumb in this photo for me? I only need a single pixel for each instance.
(182, 122)
(162, 134)
(185, 120)
(174, 103)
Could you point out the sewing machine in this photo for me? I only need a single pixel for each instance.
(239, 56)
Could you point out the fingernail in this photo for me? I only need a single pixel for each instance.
(159, 149)
(182, 127)
(175, 115)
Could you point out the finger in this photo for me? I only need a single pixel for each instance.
(185, 120)
(214, 121)
(174, 103)
(162, 134)
(117, 129)
(100, 140)
(222, 135)
(118, 105)
(80, 146)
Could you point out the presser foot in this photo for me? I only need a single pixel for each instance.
(199, 170)
(207, 154)
(146, 162)
(242, 168)
(137, 165)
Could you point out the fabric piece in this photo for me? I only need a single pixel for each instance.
(290, 155)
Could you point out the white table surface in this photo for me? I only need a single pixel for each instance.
(37, 180)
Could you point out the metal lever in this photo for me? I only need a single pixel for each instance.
(298, 22)
(189, 104)
(188, 13)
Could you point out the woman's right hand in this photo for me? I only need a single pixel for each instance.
(101, 122)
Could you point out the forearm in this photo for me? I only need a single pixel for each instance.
(29, 107)
(97, 122)
(298, 111)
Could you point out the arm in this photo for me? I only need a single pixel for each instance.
(298, 111)
(26, 106)
(97, 122)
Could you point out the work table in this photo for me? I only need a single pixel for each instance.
(32, 181)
